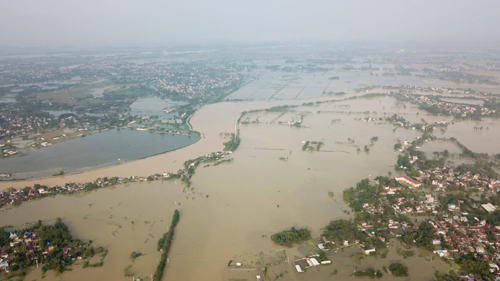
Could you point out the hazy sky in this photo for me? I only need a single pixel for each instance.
(123, 22)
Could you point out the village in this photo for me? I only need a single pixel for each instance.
(461, 227)
(49, 247)
(14, 196)
(435, 105)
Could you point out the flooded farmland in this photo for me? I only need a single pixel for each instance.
(231, 210)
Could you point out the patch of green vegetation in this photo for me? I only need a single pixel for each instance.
(291, 236)
(135, 255)
(164, 244)
(370, 272)
(398, 269)
(233, 143)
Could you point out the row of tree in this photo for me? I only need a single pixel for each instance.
(164, 245)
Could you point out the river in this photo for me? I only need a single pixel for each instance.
(91, 152)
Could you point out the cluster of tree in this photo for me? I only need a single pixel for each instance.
(370, 272)
(434, 109)
(396, 118)
(487, 168)
(135, 255)
(305, 146)
(404, 161)
(339, 231)
(398, 269)
(447, 276)
(291, 236)
(423, 236)
(361, 194)
(493, 218)
(469, 263)
(233, 143)
(164, 244)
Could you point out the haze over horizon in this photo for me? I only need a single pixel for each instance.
(56, 23)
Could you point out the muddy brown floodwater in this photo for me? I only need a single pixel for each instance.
(232, 209)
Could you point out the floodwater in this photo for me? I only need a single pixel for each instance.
(270, 85)
(231, 210)
(99, 92)
(153, 106)
(440, 146)
(478, 136)
(91, 152)
(9, 98)
(465, 101)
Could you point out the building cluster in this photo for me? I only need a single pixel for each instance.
(196, 83)
(455, 232)
(28, 241)
(12, 124)
(457, 109)
(6, 152)
(443, 178)
(311, 261)
(17, 196)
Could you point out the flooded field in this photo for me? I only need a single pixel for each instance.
(440, 146)
(269, 85)
(231, 210)
(478, 136)
(465, 101)
(305, 85)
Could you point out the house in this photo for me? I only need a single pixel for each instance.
(493, 267)
(326, 240)
(367, 252)
(4, 265)
(490, 208)
(441, 253)
(408, 181)
(314, 262)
